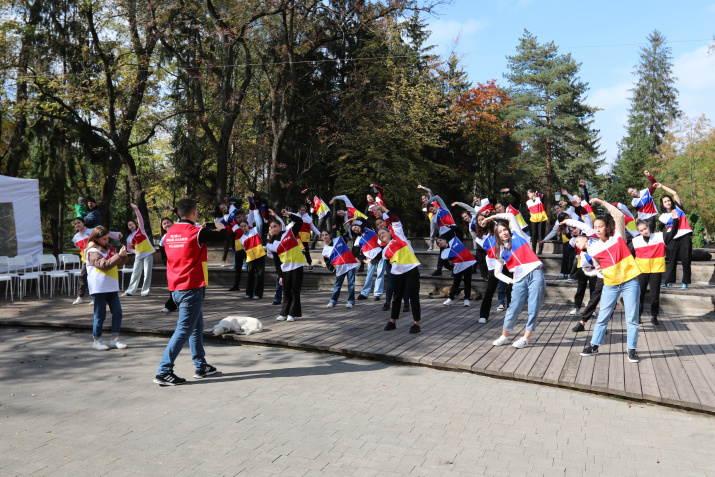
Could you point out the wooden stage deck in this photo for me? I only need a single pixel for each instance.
(677, 367)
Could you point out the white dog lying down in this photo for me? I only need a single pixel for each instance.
(241, 325)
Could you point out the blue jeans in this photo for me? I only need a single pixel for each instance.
(379, 281)
(278, 297)
(501, 293)
(609, 297)
(101, 300)
(189, 326)
(339, 284)
(530, 288)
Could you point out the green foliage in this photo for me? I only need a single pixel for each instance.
(698, 229)
(554, 124)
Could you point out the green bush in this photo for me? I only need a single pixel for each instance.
(698, 229)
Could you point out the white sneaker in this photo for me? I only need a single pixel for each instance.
(447, 302)
(165, 310)
(349, 305)
(290, 318)
(126, 294)
(145, 294)
(117, 344)
(482, 320)
(330, 304)
(466, 303)
(224, 264)
(500, 308)
(281, 318)
(561, 275)
(99, 346)
(521, 342)
(569, 280)
(574, 311)
(256, 297)
(247, 297)
(430, 249)
(501, 341)
(78, 301)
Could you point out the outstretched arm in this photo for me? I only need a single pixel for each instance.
(426, 189)
(585, 190)
(468, 208)
(517, 197)
(652, 180)
(676, 197)
(439, 200)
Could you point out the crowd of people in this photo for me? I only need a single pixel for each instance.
(613, 254)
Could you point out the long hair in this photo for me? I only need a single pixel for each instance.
(561, 218)
(163, 232)
(97, 232)
(673, 203)
(273, 238)
(481, 231)
(500, 244)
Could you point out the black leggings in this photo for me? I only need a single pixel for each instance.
(412, 280)
(652, 279)
(567, 259)
(481, 255)
(679, 249)
(327, 218)
(255, 277)
(492, 285)
(238, 259)
(467, 275)
(538, 232)
(583, 282)
(292, 283)
(593, 301)
(306, 253)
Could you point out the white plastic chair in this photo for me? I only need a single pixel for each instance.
(29, 263)
(6, 277)
(21, 266)
(124, 270)
(52, 275)
(71, 264)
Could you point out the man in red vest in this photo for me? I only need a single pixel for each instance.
(187, 274)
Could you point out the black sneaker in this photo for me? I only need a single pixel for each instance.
(276, 303)
(377, 298)
(386, 307)
(654, 320)
(310, 268)
(578, 327)
(590, 350)
(415, 328)
(207, 370)
(437, 273)
(234, 288)
(406, 308)
(168, 379)
(362, 297)
(633, 356)
(390, 326)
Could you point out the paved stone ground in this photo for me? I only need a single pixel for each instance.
(69, 410)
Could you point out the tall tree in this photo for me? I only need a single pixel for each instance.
(554, 124)
(654, 105)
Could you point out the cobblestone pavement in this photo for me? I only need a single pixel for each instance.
(69, 410)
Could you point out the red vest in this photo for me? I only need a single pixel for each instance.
(186, 266)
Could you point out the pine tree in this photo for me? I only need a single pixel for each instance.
(554, 124)
(655, 99)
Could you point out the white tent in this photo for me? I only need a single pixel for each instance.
(20, 228)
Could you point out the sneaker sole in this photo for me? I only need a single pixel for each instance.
(201, 376)
(588, 354)
(164, 383)
(634, 360)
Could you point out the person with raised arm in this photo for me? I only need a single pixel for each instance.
(139, 244)
(367, 242)
(649, 250)
(485, 233)
(443, 220)
(375, 200)
(457, 258)
(278, 296)
(620, 271)
(187, 276)
(405, 269)
(581, 204)
(681, 247)
(286, 244)
(537, 218)
(567, 254)
(321, 208)
(80, 240)
(470, 217)
(250, 240)
(103, 284)
(528, 285)
(339, 259)
(512, 208)
(433, 229)
(643, 202)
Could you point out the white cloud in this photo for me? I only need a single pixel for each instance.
(445, 32)
(696, 70)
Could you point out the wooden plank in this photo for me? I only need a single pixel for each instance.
(649, 383)
(546, 357)
(680, 379)
(545, 321)
(541, 349)
(603, 362)
(700, 378)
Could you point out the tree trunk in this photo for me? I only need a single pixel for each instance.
(17, 149)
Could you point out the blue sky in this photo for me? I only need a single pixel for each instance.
(604, 36)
